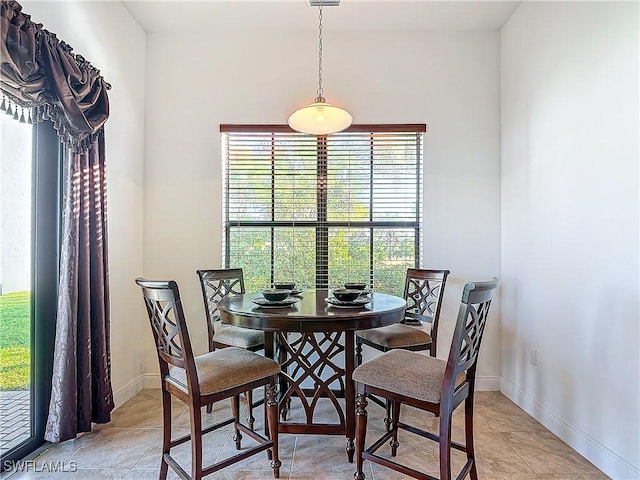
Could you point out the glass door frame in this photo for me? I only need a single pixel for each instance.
(46, 201)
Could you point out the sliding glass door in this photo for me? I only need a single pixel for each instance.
(29, 225)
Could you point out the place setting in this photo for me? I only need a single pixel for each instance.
(353, 295)
(288, 286)
(360, 286)
(283, 294)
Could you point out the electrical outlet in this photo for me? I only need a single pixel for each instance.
(533, 356)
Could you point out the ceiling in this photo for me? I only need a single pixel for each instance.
(166, 16)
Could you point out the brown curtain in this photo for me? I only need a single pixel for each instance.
(41, 78)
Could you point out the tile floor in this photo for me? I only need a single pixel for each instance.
(510, 445)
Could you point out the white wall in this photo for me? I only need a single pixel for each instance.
(570, 208)
(196, 81)
(106, 35)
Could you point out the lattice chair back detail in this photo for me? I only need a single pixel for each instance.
(219, 284)
(167, 324)
(472, 318)
(424, 291)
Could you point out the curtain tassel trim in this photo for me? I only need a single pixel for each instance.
(40, 113)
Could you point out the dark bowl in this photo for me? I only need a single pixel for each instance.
(345, 294)
(275, 294)
(284, 285)
(355, 286)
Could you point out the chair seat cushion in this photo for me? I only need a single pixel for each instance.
(407, 373)
(397, 335)
(226, 368)
(238, 336)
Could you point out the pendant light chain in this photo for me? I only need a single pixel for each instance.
(320, 117)
(320, 90)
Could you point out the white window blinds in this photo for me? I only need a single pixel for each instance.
(323, 210)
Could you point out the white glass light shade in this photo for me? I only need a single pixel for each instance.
(320, 118)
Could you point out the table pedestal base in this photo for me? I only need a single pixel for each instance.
(310, 359)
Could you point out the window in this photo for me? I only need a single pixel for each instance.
(322, 210)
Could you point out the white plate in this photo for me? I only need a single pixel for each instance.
(297, 291)
(264, 303)
(357, 303)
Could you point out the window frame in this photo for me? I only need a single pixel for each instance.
(321, 224)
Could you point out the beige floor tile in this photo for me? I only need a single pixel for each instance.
(321, 453)
(24, 475)
(259, 462)
(546, 453)
(324, 475)
(571, 476)
(391, 475)
(495, 456)
(510, 445)
(146, 414)
(138, 474)
(115, 447)
(212, 444)
(93, 474)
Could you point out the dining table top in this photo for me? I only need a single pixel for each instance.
(311, 313)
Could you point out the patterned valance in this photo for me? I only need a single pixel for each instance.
(41, 78)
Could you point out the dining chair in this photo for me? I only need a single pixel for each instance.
(427, 383)
(216, 285)
(202, 380)
(423, 291)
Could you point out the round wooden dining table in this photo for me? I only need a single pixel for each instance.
(314, 343)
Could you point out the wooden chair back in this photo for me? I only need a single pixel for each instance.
(424, 291)
(467, 336)
(169, 328)
(216, 285)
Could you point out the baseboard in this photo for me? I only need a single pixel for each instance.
(600, 455)
(151, 380)
(126, 393)
(487, 384)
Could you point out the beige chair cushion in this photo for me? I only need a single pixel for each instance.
(397, 335)
(226, 368)
(238, 336)
(407, 373)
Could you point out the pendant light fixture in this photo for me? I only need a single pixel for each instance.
(320, 117)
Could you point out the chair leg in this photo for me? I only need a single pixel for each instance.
(267, 423)
(166, 432)
(445, 445)
(358, 353)
(394, 428)
(250, 418)
(361, 432)
(387, 417)
(196, 442)
(272, 420)
(235, 411)
(468, 433)
(212, 347)
(282, 359)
